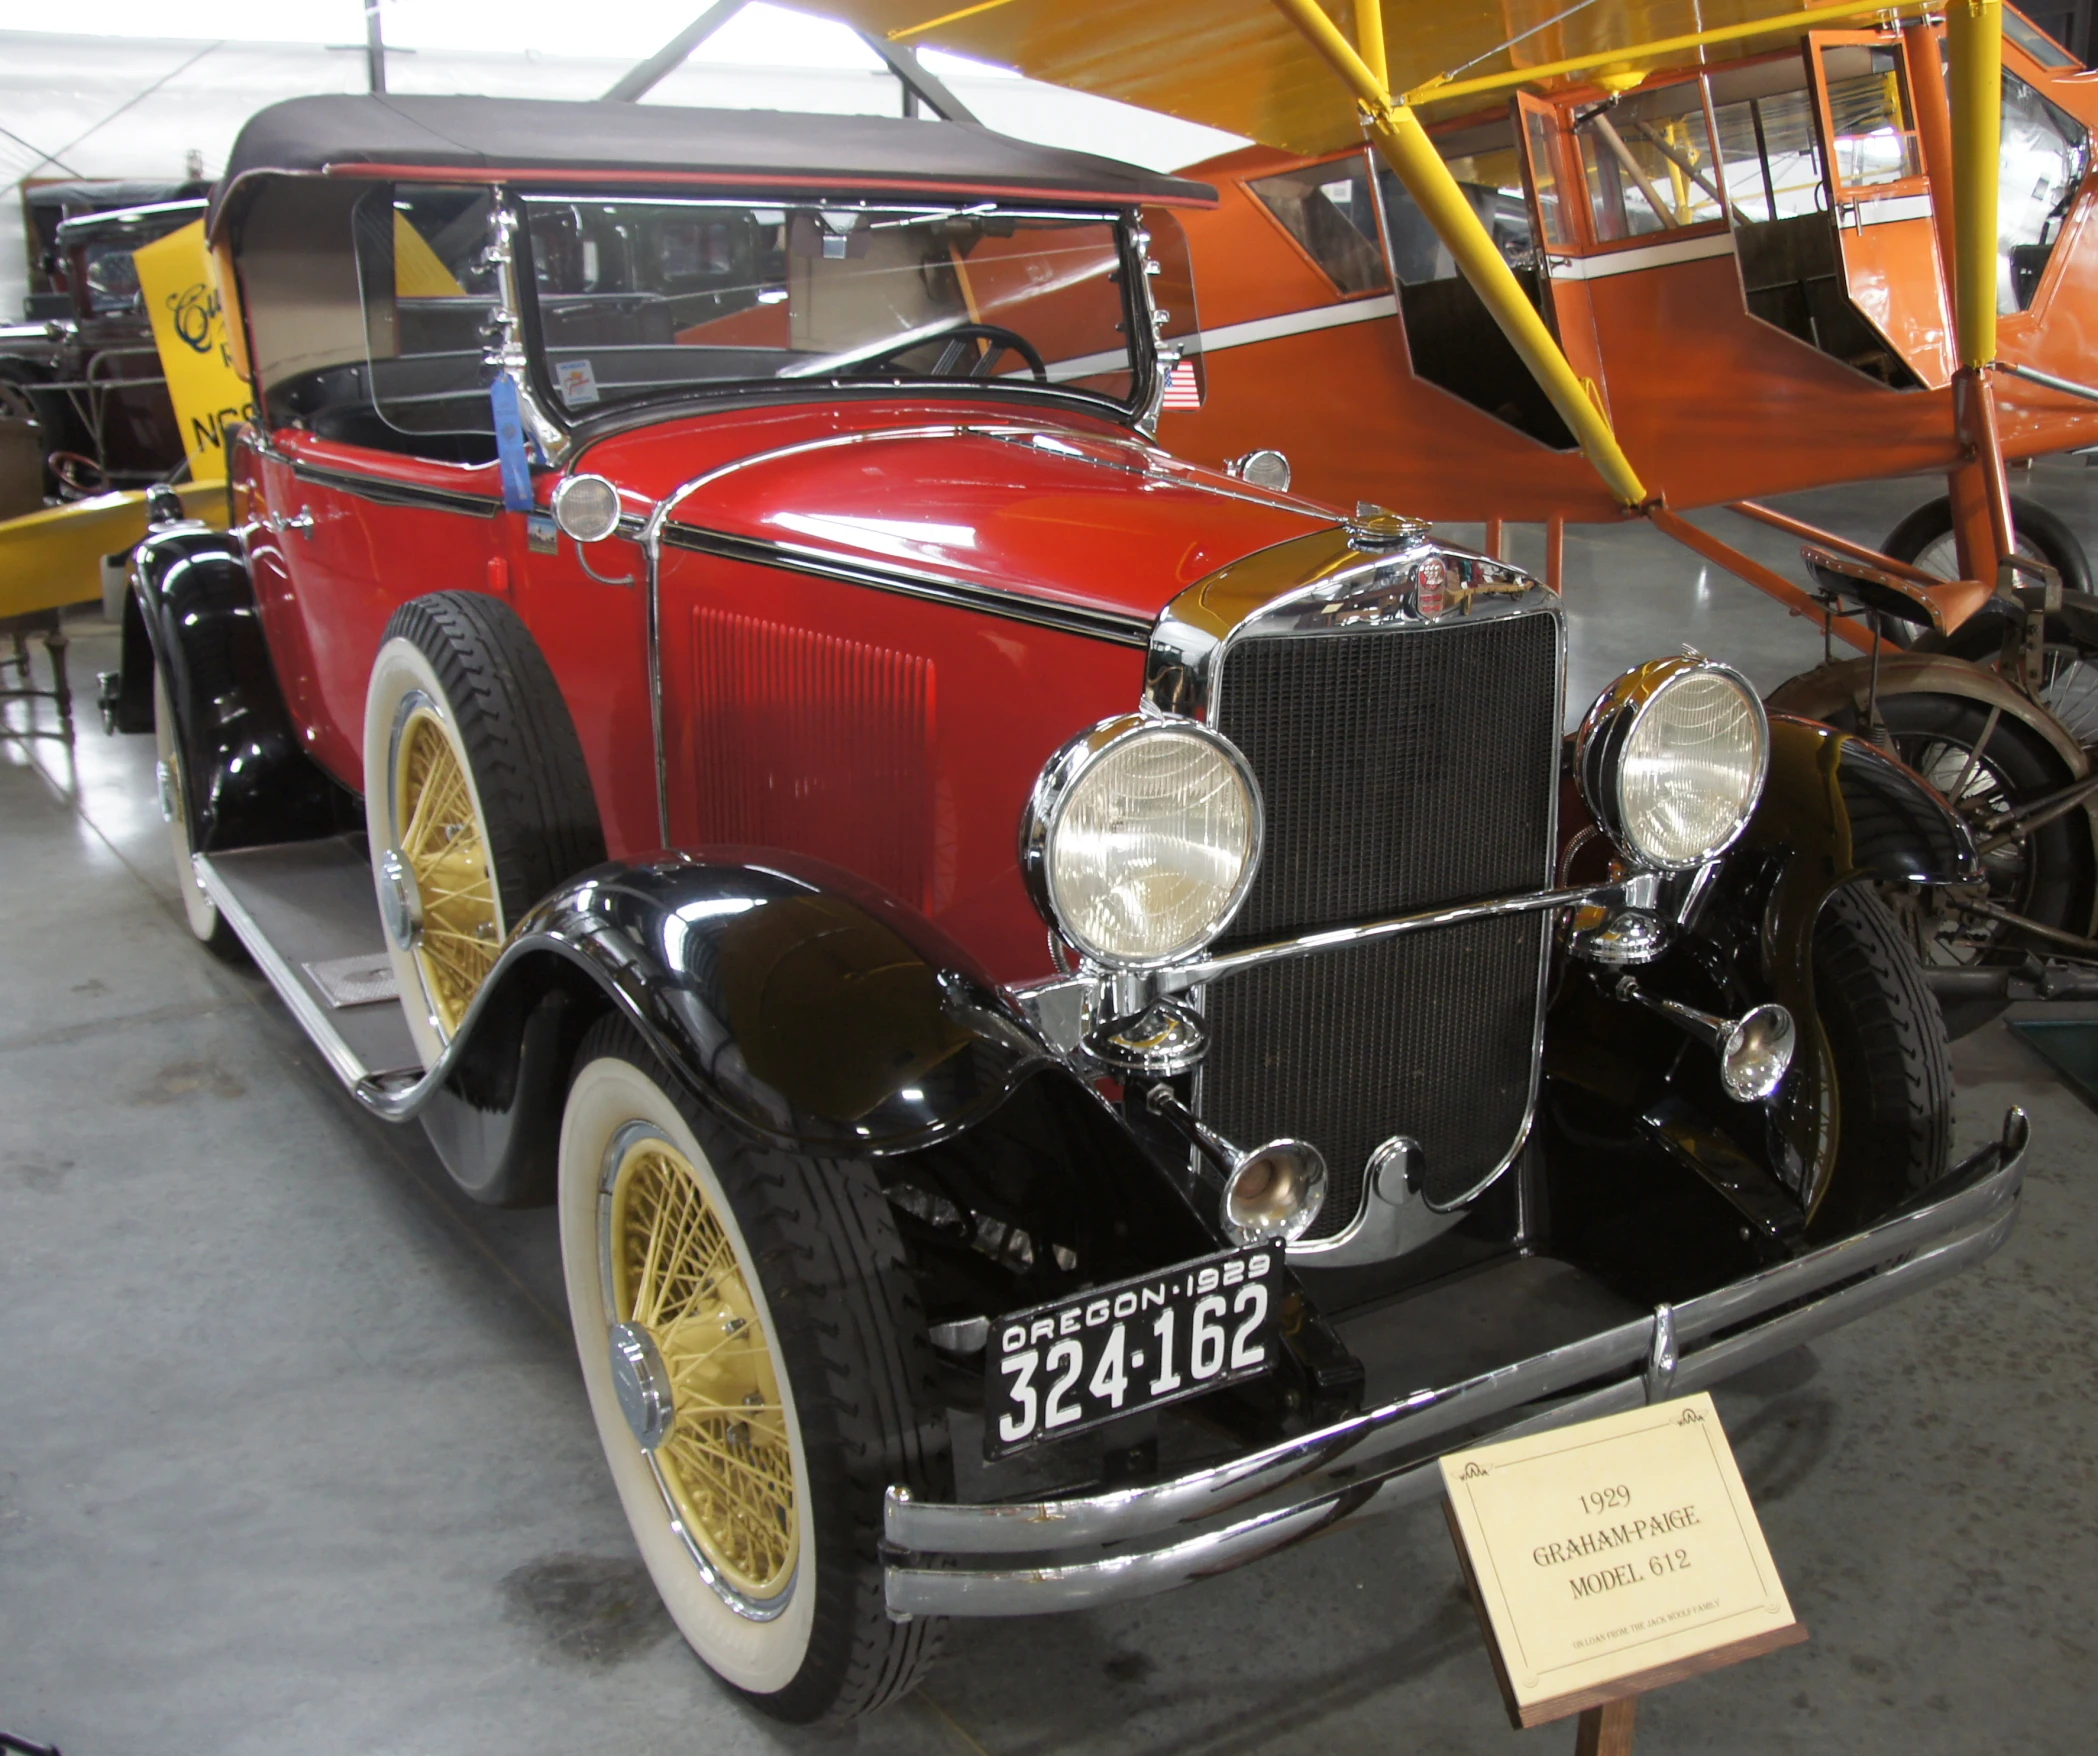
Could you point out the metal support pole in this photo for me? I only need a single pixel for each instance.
(1926, 71)
(1764, 579)
(374, 46)
(920, 84)
(1406, 147)
(645, 76)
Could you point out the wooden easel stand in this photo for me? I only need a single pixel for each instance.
(1607, 1730)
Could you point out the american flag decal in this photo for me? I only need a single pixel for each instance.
(1182, 389)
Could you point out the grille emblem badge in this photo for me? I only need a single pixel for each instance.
(1428, 582)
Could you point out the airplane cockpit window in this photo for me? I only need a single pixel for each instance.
(1328, 209)
(1647, 159)
(2044, 156)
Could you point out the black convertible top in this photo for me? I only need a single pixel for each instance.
(640, 145)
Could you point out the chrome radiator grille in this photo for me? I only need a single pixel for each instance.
(1401, 768)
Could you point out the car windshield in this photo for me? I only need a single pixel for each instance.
(640, 298)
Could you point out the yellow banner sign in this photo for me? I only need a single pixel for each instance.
(189, 329)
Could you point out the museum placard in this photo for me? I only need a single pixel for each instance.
(1614, 1557)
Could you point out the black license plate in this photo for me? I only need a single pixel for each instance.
(1093, 1358)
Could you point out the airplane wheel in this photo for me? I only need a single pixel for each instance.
(1924, 539)
(476, 798)
(2046, 876)
(759, 1373)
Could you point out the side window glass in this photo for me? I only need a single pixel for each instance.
(1771, 156)
(298, 275)
(2045, 154)
(1648, 162)
(427, 297)
(1872, 136)
(1327, 209)
(1173, 298)
(2036, 43)
(1544, 176)
(1488, 170)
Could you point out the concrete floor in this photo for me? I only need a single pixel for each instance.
(294, 1456)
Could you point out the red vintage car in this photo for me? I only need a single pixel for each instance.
(1052, 989)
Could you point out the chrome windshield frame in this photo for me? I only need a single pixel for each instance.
(1146, 382)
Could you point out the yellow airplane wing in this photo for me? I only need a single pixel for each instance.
(1242, 65)
(53, 558)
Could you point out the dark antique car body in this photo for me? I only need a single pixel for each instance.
(838, 640)
(92, 375)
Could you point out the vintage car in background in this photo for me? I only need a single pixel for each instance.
(91, 378)
(1082, 1019)
(47, 205)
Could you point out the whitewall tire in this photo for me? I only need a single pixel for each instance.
(476, 798)
(171, 782)
(758, 1372)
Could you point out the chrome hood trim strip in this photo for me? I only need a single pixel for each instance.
(385, 492)
(991, 600)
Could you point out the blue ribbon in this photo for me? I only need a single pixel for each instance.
(510, 449)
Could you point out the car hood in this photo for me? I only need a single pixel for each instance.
(1075, 511)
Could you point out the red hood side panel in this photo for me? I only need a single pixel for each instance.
(1077, 512)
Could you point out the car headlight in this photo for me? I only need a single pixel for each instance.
(1141, 839)
(1671, 760)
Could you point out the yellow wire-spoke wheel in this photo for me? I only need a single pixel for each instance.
(445, 849)
(725, 1461)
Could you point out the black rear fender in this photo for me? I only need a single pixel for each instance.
(251, 781)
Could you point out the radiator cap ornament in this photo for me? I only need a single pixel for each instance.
(1378, 527)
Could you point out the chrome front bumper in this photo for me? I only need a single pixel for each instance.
(1020, 1559)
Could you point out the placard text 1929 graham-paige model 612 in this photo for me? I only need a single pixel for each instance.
(1053, 989)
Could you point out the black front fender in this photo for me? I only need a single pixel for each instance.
(815, 1014)
(1836, 810)
(250, 779)
(804, 1008)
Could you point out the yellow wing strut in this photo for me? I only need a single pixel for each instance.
(1407, 148)
(1974, 35)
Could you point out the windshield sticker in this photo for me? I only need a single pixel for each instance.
(576, 382)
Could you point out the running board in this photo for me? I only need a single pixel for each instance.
(306, 914)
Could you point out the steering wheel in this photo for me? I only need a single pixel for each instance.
(78, 474)
(955, 349)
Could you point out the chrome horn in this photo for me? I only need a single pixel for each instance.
(1754, 1050)
(1274, 1191)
